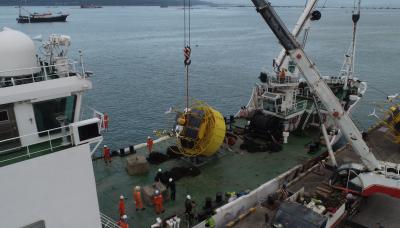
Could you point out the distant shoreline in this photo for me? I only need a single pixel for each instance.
(218, 5)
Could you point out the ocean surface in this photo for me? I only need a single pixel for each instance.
(136, 55)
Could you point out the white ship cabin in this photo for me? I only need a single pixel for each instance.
(279, 91)
(45, 148)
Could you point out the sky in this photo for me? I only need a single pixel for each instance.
(391, 3)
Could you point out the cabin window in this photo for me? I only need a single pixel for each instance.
(3, 115)
(269, 105)
(46, 113)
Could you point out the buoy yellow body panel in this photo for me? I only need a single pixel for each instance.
(203, 132)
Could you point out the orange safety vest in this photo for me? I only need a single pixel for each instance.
(122, 224)
(105, 121)
(282, 74)
(121, 207)
(158, 200)
(137, 196)
(149, 142)
(138, 199)
(106, 152)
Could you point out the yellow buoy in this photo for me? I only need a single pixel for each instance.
(392, 121)
(201, 131)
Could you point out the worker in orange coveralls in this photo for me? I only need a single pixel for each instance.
(150, 144)
(106, 154)
(158, 202)
(123, 222)
(121, 206)
(105, 121)
(138, 199)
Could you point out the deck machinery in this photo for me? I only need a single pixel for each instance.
(380, 176)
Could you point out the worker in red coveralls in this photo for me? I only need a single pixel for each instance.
(107, 155)
(123, 222)
(158, 202)
(121, 206)
(150, 144)
(105, 121)
(138, 199)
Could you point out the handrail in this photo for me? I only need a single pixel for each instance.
(298, 106)
(35, 133)
(46, 73)
(301, 105)
(287, 79)
(30, 150)
(107, 222)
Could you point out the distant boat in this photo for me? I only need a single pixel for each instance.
(90, 6)
(40, 17)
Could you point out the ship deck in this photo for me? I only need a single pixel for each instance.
(234, 170)
(376, 211)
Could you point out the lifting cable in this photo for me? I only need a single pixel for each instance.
(186, 44)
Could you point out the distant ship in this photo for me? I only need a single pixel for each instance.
(41, 17)
(90, 6)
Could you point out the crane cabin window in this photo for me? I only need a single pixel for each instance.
(47, 112)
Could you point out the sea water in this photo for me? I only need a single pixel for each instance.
(136, 55)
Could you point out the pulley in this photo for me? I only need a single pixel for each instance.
(315, 15)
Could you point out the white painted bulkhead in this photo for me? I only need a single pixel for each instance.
(58, 188)
(26, 123)
(23, 96)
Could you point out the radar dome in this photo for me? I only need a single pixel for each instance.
(17, 54)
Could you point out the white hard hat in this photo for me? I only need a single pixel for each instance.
(157, 192)
(148, 137)
(124, 217)
(137, 188)
(170, 179)
(188, 197)
(105, 145)
(160, 170)
(121, 197)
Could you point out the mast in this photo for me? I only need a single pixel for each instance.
(300, 24)
(348, 66)
(355, 18)
(19, 8)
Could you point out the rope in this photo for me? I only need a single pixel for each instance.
(184, 23)
(186, 44)
(190, 5)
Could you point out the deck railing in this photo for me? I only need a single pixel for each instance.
(51, 140)
(297, 107)
(273, 79)
(46, 73)
(107, 222)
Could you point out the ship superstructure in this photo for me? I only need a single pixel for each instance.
(45, 145)
(283, 94)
